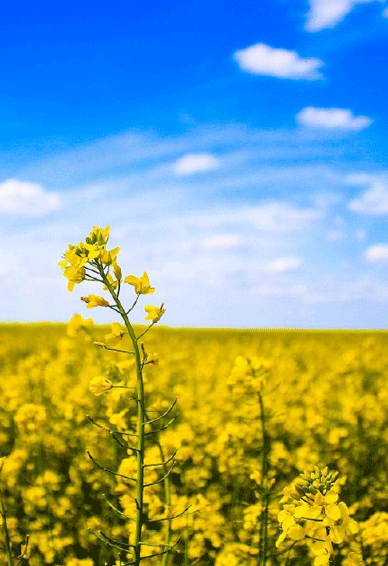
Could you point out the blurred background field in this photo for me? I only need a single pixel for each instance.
(326, 403)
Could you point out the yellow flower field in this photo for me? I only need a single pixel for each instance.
(123, 447)
(326, 401)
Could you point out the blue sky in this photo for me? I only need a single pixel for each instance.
(238, 150)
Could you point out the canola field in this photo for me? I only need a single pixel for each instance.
(254, 409)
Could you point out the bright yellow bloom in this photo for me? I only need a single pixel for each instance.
(108, 257)
(95, 301)
(141, 284)
(117, 271)
(76, 257)
(296, 532)
(323, 551)
(154, 313)
(115, 336)
(99, 385)
(325, 520)
(94, 251)
(98, 236)
(341, 525)
(74, 275)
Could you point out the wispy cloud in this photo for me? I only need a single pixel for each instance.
(261, 59)
(23, 198)
(334, 235)
(282, 264)
(385, 13)
(332, 119)
(222, 242)
(195, 163)
(375, 199)
(378, 253)
(328, 13)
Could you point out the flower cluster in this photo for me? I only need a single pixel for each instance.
(91, 261)
(315, 514)
(248, 373)
(94, 249)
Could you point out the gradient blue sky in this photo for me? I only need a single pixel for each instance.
(238, 150)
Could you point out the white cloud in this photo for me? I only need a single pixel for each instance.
(195, 162)
(385, 13)
(281, 216)
(334, 235)
(261, 59)
(222, 242)
(377, 253)
(26, 198)
(281, 264)
(327, 13)
(375, 198)
(332, 118)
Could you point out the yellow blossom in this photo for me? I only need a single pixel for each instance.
(115, 335)
(77, 323)
(154, 313)
(141, 284)
(74, 275)
(98, 236)
(99, 385)
(94, 251)
(117, 271)
(95, 301)
(108, 257)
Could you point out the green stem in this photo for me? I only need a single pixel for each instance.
(5, 530)
(264, 488)
(167, 500)
(140, 423)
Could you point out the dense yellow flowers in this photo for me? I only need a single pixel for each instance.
(319, 385)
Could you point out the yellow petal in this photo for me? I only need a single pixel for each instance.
(321, 559)
(333, 512)
(337, 534)
(296, 532)
(331, 497)
(280, 539)
(301, 511)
